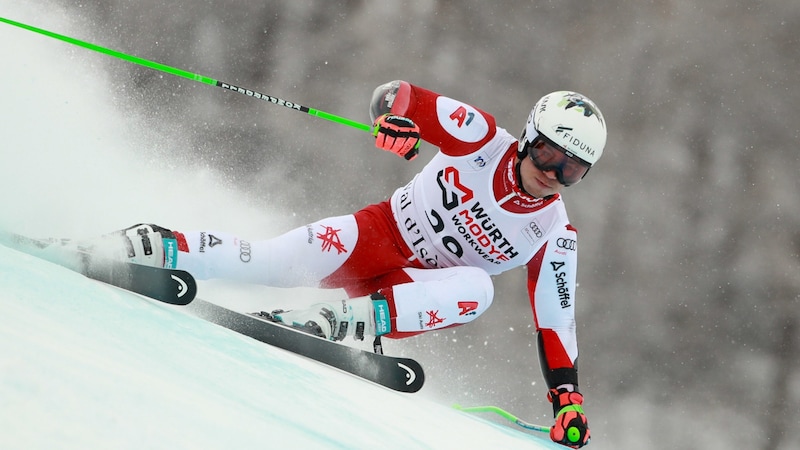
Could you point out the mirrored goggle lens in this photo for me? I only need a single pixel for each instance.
(547, 157)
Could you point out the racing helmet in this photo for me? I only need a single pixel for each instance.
(570, 122)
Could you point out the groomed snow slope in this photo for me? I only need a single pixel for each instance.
(85, 365)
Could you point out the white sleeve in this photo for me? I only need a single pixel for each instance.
(552, 277)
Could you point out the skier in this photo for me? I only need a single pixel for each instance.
(423, 259)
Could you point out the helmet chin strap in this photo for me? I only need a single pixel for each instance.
(520, 156)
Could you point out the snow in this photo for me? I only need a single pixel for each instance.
(86, 365)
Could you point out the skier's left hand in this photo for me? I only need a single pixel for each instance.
(571, 427)
(398, 135)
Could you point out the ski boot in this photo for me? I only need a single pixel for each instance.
(144, 244)
(355, 317)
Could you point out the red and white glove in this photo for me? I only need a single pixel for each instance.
(397, 134)
(571, 427)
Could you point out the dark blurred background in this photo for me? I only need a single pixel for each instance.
(689, 244)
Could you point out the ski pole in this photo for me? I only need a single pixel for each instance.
(192, 76)
(506, 415)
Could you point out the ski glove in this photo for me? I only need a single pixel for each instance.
(397, 134)
(571, 427)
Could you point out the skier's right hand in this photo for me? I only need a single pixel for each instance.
(397, 134)
(571, 427)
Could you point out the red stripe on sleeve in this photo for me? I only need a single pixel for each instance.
(554, 352)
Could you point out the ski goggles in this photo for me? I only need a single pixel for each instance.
(548, 156)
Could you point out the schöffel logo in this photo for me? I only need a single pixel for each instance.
(203, 242)
(561, 283)
(213, 240)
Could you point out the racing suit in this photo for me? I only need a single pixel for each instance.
(431, 248)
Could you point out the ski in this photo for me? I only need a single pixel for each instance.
(399, 374)
(176, 287)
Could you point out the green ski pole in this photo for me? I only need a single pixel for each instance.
(192, 76)
(504, 414)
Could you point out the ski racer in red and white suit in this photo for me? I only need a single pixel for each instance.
(429, 251)
(466, 208)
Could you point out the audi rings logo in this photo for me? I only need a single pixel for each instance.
(566, 244)
(244, 251)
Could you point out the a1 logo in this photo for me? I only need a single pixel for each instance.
(461, 120)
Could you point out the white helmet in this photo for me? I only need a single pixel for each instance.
(571, 121)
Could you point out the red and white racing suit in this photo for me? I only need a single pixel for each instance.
(431, 248)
